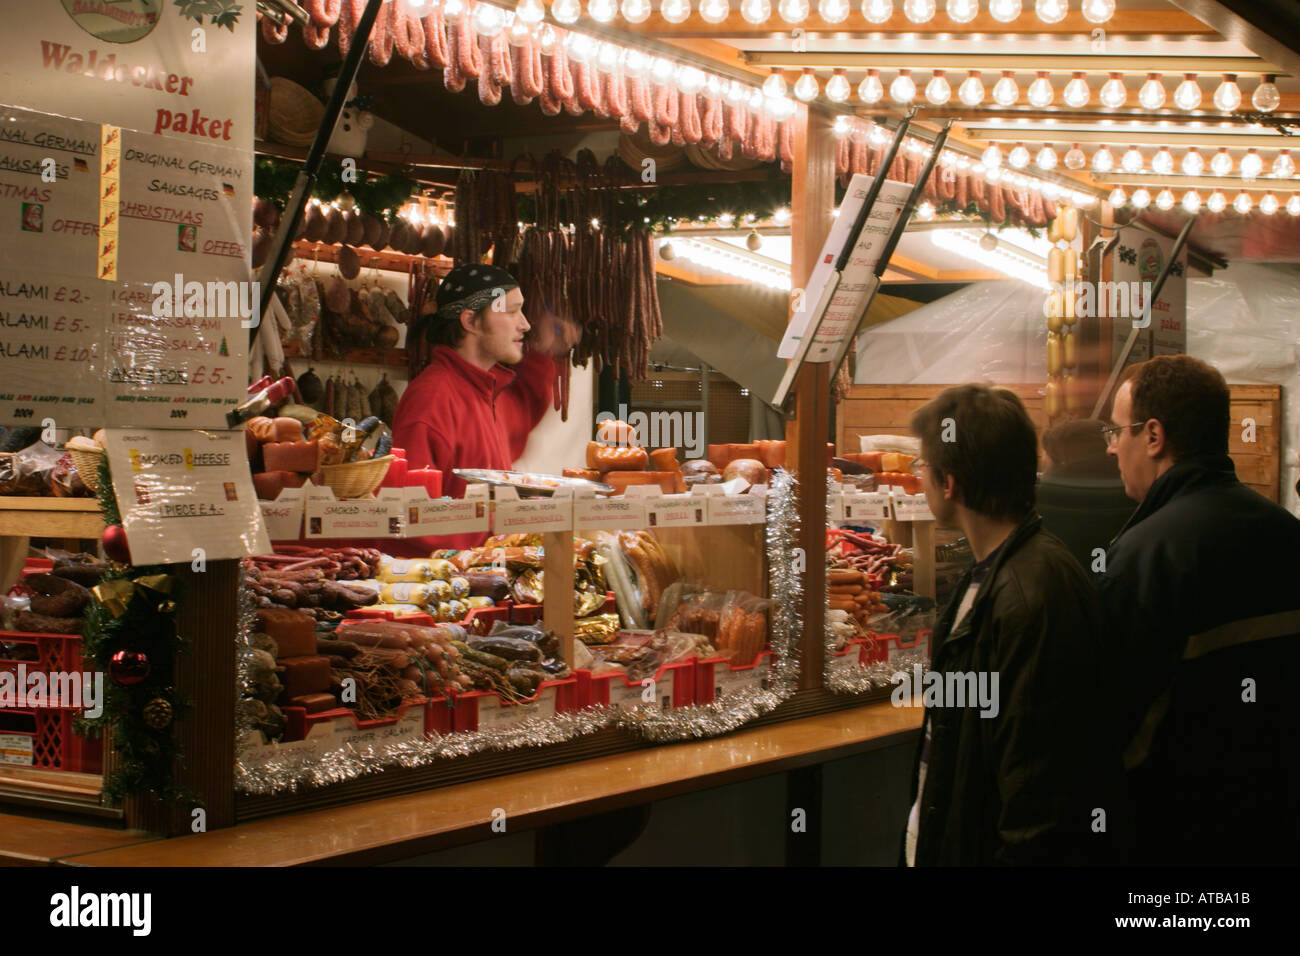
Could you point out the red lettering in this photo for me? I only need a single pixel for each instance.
(53, 54)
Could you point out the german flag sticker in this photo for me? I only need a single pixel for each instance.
(228, 189)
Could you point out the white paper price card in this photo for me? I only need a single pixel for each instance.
(676, 511)
(611, 514)
(493, 714)
(283, 516)
(182, 491)
(912, 508)
(515, 515)
(728, 681)
(16, 749)
(353, 518)
(867, 506)
(432, 516)
(835, 501)
(737, 509)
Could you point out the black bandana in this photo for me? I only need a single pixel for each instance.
(474, 287)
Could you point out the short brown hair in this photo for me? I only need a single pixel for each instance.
(993, 453)
(1188, 397)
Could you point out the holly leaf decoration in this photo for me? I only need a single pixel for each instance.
(228, 18)
(221, 13)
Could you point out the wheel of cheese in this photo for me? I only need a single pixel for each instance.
(621, 480)
(303, 456)
(615, 432)
(287, 429)
(664, 459)
(719, 456)
(771, 453)
(614, 458)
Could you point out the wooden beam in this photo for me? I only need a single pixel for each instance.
(1268, 27)
(959, 61)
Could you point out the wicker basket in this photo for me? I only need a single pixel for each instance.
(355, 479)
(295, 114)
(87, 465)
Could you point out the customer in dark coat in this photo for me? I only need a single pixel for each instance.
(1033, 779)
(1202, 589)
(1080, 494)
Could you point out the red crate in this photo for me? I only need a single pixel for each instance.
(46, 652)
(479, 709)
(339, 725)
(54, 746)
(716, 675)
(532, 613)
(892, 647)
(478, 621)
(674, 687)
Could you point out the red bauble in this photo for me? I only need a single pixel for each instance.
(114, 542)
(128, 667)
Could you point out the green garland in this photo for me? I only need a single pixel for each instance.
(273, 179)
(147, 755)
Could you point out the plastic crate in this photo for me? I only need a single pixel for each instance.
(51, 743)
(892, 647)
(485, 710)
(717, 677)
(674, 686)
(43, 652)
(478, 621)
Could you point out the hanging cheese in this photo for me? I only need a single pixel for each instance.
(1053, 354)
(1071, 355)
(1055, 265)
(1069, 223)
(1073, 394)
(1054, 303)
(1052, 398)
(1071, 266)
(1068, 305)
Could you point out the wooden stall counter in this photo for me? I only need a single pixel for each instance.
(394, 828)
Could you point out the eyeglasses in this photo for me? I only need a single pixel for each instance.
(918, 464)
(1111, 433)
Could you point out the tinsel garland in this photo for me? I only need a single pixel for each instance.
(294, 769)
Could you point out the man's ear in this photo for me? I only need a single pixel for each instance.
(1155, 439)
(467, 321)
(950, 488)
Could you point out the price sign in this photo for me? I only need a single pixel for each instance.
(283, 516)
(514, 515)
(590, 514)
(912, 508)
(354, 517)
(736, 509)
(867, 506)
(676, 511)
(435, 516)
(835, 501)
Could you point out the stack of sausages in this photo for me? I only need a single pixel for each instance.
(850, 591)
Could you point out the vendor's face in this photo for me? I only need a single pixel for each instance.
(501, 328)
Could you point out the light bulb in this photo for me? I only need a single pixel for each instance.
(1103, 161)
(755, 101)
(1228, 95)
(714, 11)
(1284, 165)
(1077, 93)
(1141, 198)
(1131, 161)
(877, 11)
(1046, 159)
(635, 63)
(1293, 205)
(602, 11)
(937, 91)
(635, 11)
(963, 11)
(1266, 99)
(1117, 197)
(1188, 94)
(1004, 11)
(580, 47)
(488, 21)
(1098, 11)
(1193, 162)
(780, 108)
(971, 91)
(756, 12)
(608, 57)
(992, 157)
(452, 10)
(806, 87)
(566, 11)
(871, 90)
(1005, 91)
(690, 80)
(675, 11)
(1051, 11)
(925, 212)
(793, 11)
(837, 87)
(774, 85)
(1163, 162)
(1019, 157)
(1152, 94)
(1217, 202)
(531, 12)
(1221, 163)
(1242, 203)
(842, 126)
(1192, 202)
(919, 11)
(1251, 165)
(833, 11)
(902, 90)
(736, 93)
(1268, 205)
(1074, 158)
(993, 175)
(1041, 93)
(1113, 94)
(661, 71)
(1165, 200)
(546, 38)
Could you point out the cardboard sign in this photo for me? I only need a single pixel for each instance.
(610, 514)
(515, 515)
(382, 517)
(283, 516)
(737, 509)
(676, 511)
(868, 506)
(436, 516)
(911, 508)
(182, 490)
(835, 502)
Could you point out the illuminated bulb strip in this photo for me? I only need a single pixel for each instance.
(733, 264)
(1006, 259)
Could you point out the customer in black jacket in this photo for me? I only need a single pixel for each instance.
(1202, 589)
(1026, 775)
(1080, 494)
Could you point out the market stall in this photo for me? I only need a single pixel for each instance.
(223, 522)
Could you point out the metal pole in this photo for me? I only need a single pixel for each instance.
(302, 186)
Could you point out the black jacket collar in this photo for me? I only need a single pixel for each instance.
(1187, 475)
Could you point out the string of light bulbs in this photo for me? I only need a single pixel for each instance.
(1132, 161)
(1192, 202)
(795, 12)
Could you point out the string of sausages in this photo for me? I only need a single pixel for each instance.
(552, 79)
(856, 153)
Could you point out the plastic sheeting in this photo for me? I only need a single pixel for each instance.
(988, 331)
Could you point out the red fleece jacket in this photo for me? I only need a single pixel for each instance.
(456, 415)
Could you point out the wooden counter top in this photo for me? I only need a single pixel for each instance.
(403, 826)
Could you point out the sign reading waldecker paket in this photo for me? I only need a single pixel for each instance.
(179, 491)
(137, 213)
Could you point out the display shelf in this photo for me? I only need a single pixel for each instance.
(371, 259)
(50, 517)
(385, 358)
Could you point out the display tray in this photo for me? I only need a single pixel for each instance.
(525, 483)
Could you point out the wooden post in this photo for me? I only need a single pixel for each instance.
(923, 563)
(812, 195)
(557, 604)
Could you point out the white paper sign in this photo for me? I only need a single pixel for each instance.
(912, 508)
(676, 511)
(867, 506)
(354, 517)
(16, 749)
(835, 501)
(283, 516)
(627, 696)
(610, 514)
(530, 515)
(493, 714)
(737, 509)
(434, 516)
(182, 490)
(727, 681)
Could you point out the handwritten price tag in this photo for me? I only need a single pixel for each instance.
(867, 506)
(912, 508)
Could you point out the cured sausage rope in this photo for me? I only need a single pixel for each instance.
(272, 31)
(349, 17)
(435, 38)
(409, 35)
(382, 37)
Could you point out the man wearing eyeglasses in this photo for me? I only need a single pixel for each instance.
(1202, 593)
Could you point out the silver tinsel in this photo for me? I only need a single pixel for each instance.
(297, 769)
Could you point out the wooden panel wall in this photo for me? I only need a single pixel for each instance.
(886, 410)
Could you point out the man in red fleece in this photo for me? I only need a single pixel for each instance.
(482, 392)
